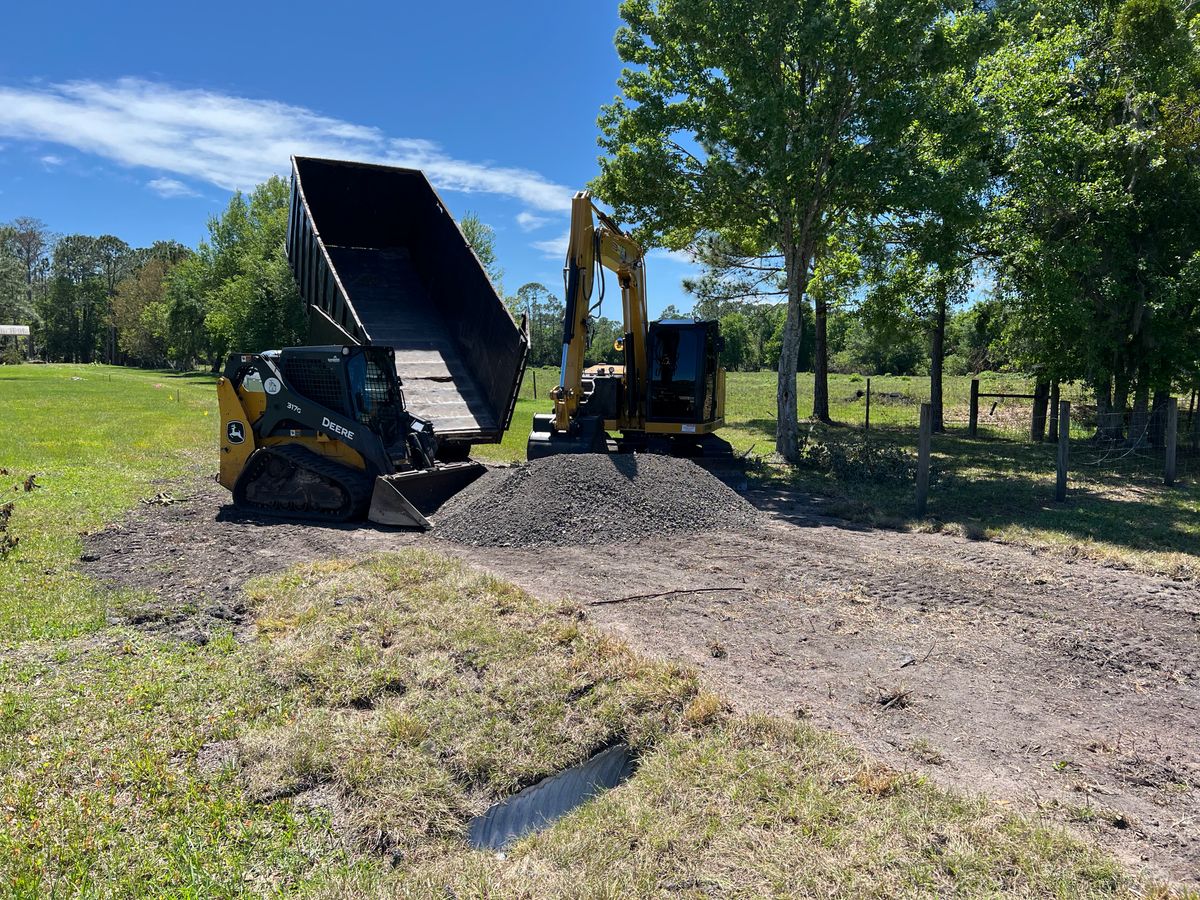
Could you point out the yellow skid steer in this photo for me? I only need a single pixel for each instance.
(323, 433)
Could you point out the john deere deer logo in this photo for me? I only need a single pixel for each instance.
(235, 431)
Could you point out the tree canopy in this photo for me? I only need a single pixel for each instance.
(770, 125)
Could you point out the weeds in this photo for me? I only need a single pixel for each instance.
(857, 459)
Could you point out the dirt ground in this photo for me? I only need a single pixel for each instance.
(1065, 689)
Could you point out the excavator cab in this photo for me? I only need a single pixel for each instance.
(684, 365)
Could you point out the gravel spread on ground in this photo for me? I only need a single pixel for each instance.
(574, 499)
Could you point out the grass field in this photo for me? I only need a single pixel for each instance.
(997, 486)
(404, 693)
(95, 438)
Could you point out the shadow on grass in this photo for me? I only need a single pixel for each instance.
(195, 377)
(1006, 487)
(764, 428)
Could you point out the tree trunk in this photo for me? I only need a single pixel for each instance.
(1158, 418)
(1041, 400)
(1139, 420)
(1114, 427)
(820, 362)
(937, 356)
(1194, 421)
(786, 437)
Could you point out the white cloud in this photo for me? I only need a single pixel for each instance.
(170, 187)
(683, 257)
(530, 222)
(556, 247)
(235, 142)
(51, 160)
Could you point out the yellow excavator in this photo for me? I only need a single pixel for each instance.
(668, 396)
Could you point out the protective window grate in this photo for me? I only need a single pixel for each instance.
(318, 381)
(377, 413)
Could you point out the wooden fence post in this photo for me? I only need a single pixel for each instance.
(1064, 449)
(1054, 411)
(923, 458)
(867, 422)
(1194, 422)
(973, 422)
(1171, 440)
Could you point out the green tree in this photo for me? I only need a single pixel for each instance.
(237, 292)
(1095, 228)
(139, 308)
(738, 352)
(768, 123)
(545, 312)
(602, 335)
(74, 309)
(14, 308)
(115, 259)
(482, 238)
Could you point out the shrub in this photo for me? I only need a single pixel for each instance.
(860, 460)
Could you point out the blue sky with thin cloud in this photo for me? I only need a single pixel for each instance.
(139, 120)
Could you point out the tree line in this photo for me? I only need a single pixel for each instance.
(97, 299)
(752, 331)
(885, 158)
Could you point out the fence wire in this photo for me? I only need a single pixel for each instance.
(1134, 443)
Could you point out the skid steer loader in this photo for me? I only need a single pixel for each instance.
(323, 433)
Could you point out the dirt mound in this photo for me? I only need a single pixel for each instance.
(591, 499)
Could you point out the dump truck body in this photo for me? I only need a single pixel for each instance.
(380, 261)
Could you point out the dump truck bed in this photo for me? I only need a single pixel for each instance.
(379, 260)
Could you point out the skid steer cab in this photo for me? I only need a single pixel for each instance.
(322, 433)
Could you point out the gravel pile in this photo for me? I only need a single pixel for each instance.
(591, 499)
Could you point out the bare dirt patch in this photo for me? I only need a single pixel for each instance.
(1064, 688)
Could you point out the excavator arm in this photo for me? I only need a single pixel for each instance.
(596, 242)
(670, 390)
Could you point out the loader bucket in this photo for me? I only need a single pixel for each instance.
(406, 498)
(389, 507)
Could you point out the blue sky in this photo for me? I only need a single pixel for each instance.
(139, 119)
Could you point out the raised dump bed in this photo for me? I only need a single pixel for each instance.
(379, 260)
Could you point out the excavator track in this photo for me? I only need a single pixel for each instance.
(292, 482)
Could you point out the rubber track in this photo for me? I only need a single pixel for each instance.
(354, 482)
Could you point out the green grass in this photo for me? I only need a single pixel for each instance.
(997, 486)
(384, 701)
(96, 438)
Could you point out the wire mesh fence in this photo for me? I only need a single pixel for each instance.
(1150, 442)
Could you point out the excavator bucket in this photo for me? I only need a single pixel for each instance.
(406, 498)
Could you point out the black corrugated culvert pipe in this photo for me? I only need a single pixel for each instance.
(550, 799)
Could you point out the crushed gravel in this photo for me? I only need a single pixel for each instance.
(591, 499)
